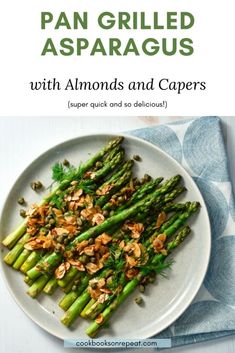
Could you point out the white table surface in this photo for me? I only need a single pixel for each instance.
(23, 139)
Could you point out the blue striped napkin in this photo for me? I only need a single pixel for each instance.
(199, 146)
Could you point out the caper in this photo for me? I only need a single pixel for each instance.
(120, 198)
(23, 213)
(21, 201)
(99, 164)
(66, 163)
(93, 259)
(139, 300)
(35, 185)
(147, 177)
(52, 221)
(59, 239)
(111, 213)
(74, 287)
(76, 281)
(84, 259)
(114, 197)
(137, 158)
(48, 226)
(90, 241)
(94, 285)
(105, 213)
(70, 236)
(79, 221)
(141, 288)
(66, 241)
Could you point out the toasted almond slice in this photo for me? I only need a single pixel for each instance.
(98, 218)
(131, 261)
(101, 282)
(105, 238)
(161, 219)
(77, 194)
(135, 227)
(162, 237)
(106, 290)
(89, 250)
(122, 244)
(98, 244)
(76, 263)
(48, 244)
(33, 245)
(131, 273)
(136, 249)
(92, 268)
(70, 219)
(127, 247)
(62, 269)
(135, 235)
(157, 245)
(74, 182)
(81, 246)
(99, 319)
(103, 298)
(57, 212)
(89, 202)
(105, 190)
(61, 231)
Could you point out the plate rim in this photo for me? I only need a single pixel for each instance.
(109, 135)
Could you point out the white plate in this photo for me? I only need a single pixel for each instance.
(164, 301)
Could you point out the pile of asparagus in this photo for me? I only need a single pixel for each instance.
(99, 234)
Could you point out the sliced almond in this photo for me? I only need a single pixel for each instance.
(77, 194)
(106, 290)
(162, 237)
(131, 261)
(105, 190)
(81, 246)
(99, 319)
(98, 218)
(105, 238)
(157, 245)
(78, 264)
(62, 269)
(60, 231)
(92, 268)
(103, 298)
(131, 273)
(89, 250)
(161, 219)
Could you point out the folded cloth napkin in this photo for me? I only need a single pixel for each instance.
(199, 146)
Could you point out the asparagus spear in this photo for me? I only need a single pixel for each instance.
(140, 193)
(13, 237)
(21, 259)
(31, 261)
(76, 308)
(93, 329)
(51, 286)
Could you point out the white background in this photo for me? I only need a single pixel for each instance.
(22, 41)
(22, 140)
